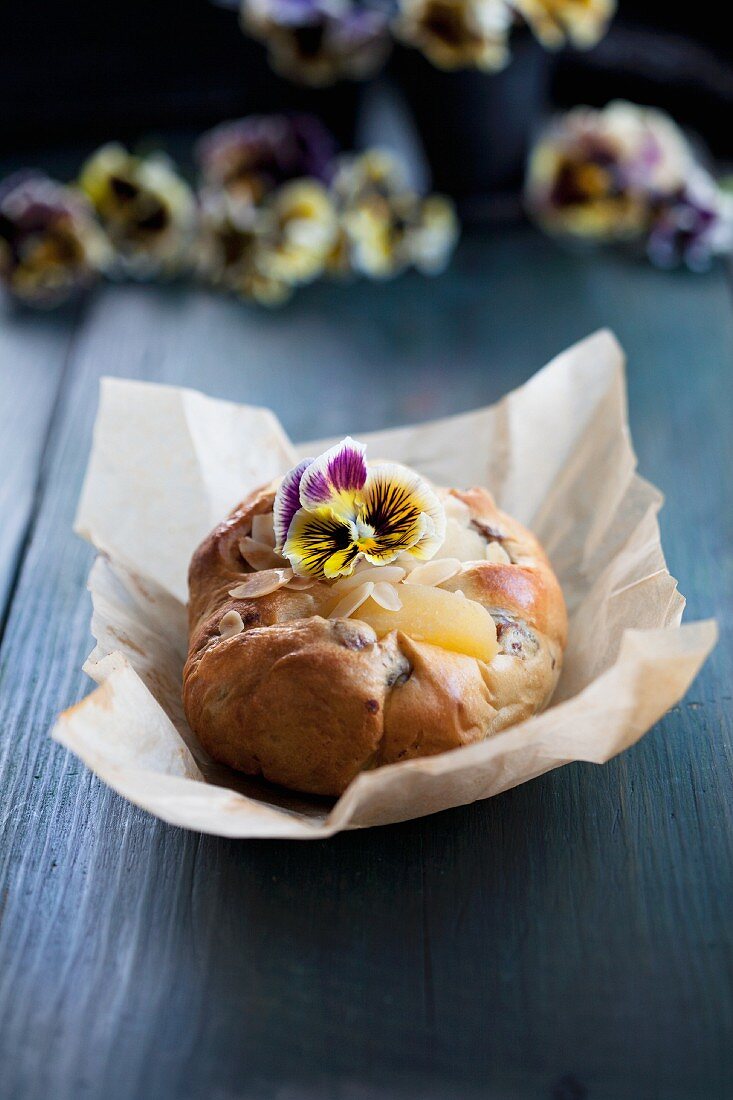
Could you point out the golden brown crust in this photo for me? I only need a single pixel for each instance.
(309, 702)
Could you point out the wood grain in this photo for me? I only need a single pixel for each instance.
(33, 352)
(569, 939)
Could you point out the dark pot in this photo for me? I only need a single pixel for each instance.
(476, 127)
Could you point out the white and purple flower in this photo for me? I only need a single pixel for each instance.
(692, 225)
(51, 247)
(333, 511)
(318, 42)
(252, 156)
(597, 174)
(147, 210)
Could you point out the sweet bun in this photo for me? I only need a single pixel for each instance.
(292, 684)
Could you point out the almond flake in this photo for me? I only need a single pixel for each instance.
(433, 573)
(389, 574)
(263, 529)
(231, 624)
(496, 553)
(386, 596)
(352, 601)
(261, 584)
(259, 555)
(300, 584)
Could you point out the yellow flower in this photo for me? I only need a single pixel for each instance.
(303, 232)
(596, 174)
(434, 234)
(583, 22)
(457, 34)
(232, 248)
(333, 511)
(147, 210)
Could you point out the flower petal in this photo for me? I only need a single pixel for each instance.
(287, 501)
(404, 513)
(320, 543)
(335, 478)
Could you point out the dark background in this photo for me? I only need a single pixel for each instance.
(89, 71)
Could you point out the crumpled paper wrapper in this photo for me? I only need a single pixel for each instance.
(167, 464)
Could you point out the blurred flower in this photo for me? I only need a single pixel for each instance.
(433, 234)
(147, 210)
(582, 22)
(386, 227)
(374, 172)
(691, 225)
(254, 155)
(318, 42)
(302, 232)
(50, 244)
(457, 34)
(597, 174)
(232, 248)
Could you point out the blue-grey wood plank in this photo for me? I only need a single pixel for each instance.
(570, 938)
(33, 350)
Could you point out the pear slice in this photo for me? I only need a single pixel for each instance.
(434, 615)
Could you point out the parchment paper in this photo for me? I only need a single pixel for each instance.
(167, 464)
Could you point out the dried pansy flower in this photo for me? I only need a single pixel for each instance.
(375, 172)
(692, 225)
(377, 234)
(337, 512)
(582, 22)
(433, 234)
(388, 235)
(50, 244)
(147, 210)
(232, 248)
(457, 34)
(318, 42)
(385, 226)
(252, 156)
(302, 231)
(597, 174)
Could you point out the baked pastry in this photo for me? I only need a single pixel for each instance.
(352, 616)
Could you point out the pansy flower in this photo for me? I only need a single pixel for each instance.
(51, 247)
(582, 22)
(457, 34)
(318, 42)
(252, 156)
(233, 252)
(598, 173)
(333, 511)
(386, 226)
(303, 230)
(692, 225)
(147, 210)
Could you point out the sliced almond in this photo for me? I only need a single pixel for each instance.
(259, 555)
(263, 528)
(433, 573)
(231, 624)
(352, 601)
(261, 584)
(386, 596)
(496, 553)
(389, 574)
(300, 584)
(456, 509)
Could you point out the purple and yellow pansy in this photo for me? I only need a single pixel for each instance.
(332, 511)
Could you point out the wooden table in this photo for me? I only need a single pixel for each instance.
(569, 939)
